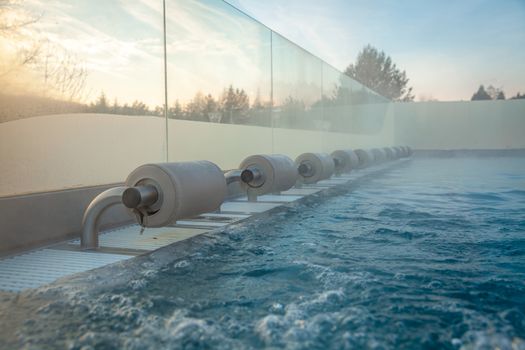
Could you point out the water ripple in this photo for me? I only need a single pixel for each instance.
(427, 256)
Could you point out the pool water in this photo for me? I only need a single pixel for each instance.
(430, 254)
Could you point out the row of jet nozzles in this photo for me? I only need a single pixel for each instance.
(160, 194)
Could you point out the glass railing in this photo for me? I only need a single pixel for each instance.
(92, 90)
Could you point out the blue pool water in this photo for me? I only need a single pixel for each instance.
(430, 254)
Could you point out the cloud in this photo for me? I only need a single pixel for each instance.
(149, 12)
(211, 47)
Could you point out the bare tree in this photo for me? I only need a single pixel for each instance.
(61, 73)
(13, 18)
(11, 25)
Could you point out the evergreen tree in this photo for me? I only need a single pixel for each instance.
(115, 108)
(481, 94)
(228, 105)
(139, 108)
(159, 111)
(196, 108)
(101, 104)
(234, 105)
(374, 69)
(176, 112)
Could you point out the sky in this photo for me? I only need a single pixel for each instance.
(447, 47)
(210, 46)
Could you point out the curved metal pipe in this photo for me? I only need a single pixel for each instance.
(90, 221)
(233, 176)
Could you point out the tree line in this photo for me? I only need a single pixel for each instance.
(492, 93)
(233, 106)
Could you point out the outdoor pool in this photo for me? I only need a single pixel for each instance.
(428, 254)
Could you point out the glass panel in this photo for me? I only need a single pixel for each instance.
(219, 74)
(297, 79)
(81, 90)
(354, 115)
(350, 106)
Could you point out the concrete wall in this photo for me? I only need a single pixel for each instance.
(460, 125)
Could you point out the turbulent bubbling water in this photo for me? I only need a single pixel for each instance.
(428, 255)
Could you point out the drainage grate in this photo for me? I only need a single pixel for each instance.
(232, 217)
(272, 198)
(129, 237)
(247, 207)
(202, 223)
(301, 191)
(44, 266)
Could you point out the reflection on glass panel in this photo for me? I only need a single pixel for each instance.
(350, 106)
(298, 108)
(218, 64)
(297, 78)
(82, 91)
(337, 95)
(219, 73)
